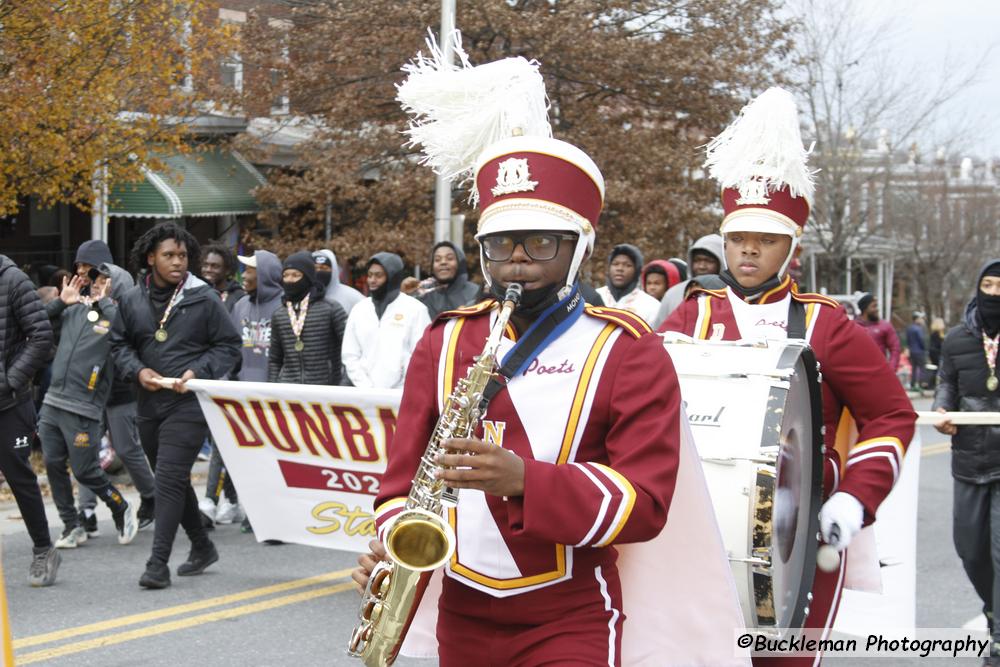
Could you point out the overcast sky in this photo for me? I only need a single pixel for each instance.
(933, 31)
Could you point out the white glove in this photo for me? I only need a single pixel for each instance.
(844, 512)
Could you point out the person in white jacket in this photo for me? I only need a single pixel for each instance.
(623, 289)
(383, 329)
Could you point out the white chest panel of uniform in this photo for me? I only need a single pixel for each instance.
(769, 320)
(553, 397)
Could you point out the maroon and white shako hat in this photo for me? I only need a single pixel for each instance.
(538, 183)
(761, 165)
(488, 125)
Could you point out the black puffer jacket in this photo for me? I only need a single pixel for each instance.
(322, 335)
(25, 334)
(962, 374)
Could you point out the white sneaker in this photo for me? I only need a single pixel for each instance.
(126, 524)
(72, 538)
(207, 507)
(228, 512)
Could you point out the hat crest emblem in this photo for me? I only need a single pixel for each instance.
(513, 176)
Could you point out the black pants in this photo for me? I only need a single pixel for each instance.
(17, 430)
(976, 531)
(217, 472)
(172, 445)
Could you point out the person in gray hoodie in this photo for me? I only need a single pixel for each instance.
(252, 317)
(705, 257)
(69, 425)
(328, 276)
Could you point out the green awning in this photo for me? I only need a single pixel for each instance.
(212, 182)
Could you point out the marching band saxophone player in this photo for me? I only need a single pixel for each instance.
(578, 450)
(760, 163)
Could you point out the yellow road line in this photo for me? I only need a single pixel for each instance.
(155, 614)
(180, 624)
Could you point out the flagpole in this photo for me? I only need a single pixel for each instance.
(442, 194)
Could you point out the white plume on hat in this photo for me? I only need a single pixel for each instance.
(761, 150)
(457, 111)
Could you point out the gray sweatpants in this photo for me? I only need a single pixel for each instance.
(125, 441)
(976, 532)
(72, 442)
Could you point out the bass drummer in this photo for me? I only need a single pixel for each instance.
(766, 187)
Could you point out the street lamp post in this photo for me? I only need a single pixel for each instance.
(442, 194)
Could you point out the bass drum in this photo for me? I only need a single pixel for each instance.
(756, 413)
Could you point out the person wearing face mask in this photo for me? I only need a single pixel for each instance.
(307, 332)
(328, 276)
(968, 382)
(881, 331)
(383, 329)
(622, 289)
(766, 189)
(451, 275)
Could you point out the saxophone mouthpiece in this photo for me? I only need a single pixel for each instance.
(513, 294)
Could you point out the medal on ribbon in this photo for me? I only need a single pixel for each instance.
(298, 321)
(990, 346)
(92, 316)
(161, 334)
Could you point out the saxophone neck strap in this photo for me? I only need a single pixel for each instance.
(550, 324)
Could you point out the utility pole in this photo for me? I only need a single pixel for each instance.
(442, 194)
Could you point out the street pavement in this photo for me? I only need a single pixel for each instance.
(266, 605)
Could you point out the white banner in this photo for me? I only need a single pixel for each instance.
(307, 461)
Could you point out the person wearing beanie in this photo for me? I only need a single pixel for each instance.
(452, 288)
(658, 276)
(968, 382)
(328, 276)
(766, 188)
(90, 255)
(307, 331)
(383, 329)
(621, 288)
(881, 331)
(704, 258)
(69, 424)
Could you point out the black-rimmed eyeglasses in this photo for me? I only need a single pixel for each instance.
(540, 247)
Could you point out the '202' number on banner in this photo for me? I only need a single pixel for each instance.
(348, 481)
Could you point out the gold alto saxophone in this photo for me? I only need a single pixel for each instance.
(420, 539)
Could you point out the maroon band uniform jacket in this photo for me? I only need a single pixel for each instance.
(856, 381)
(595, 418)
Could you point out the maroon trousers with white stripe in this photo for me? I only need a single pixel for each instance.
(575, 623)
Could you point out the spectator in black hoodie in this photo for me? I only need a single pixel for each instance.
(218, 266)
(451, 278)
(307, 332)
(173, 325)
(967, 382)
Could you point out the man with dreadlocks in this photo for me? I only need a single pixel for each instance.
(172, 324)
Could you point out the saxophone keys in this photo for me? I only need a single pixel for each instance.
(376, 613)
